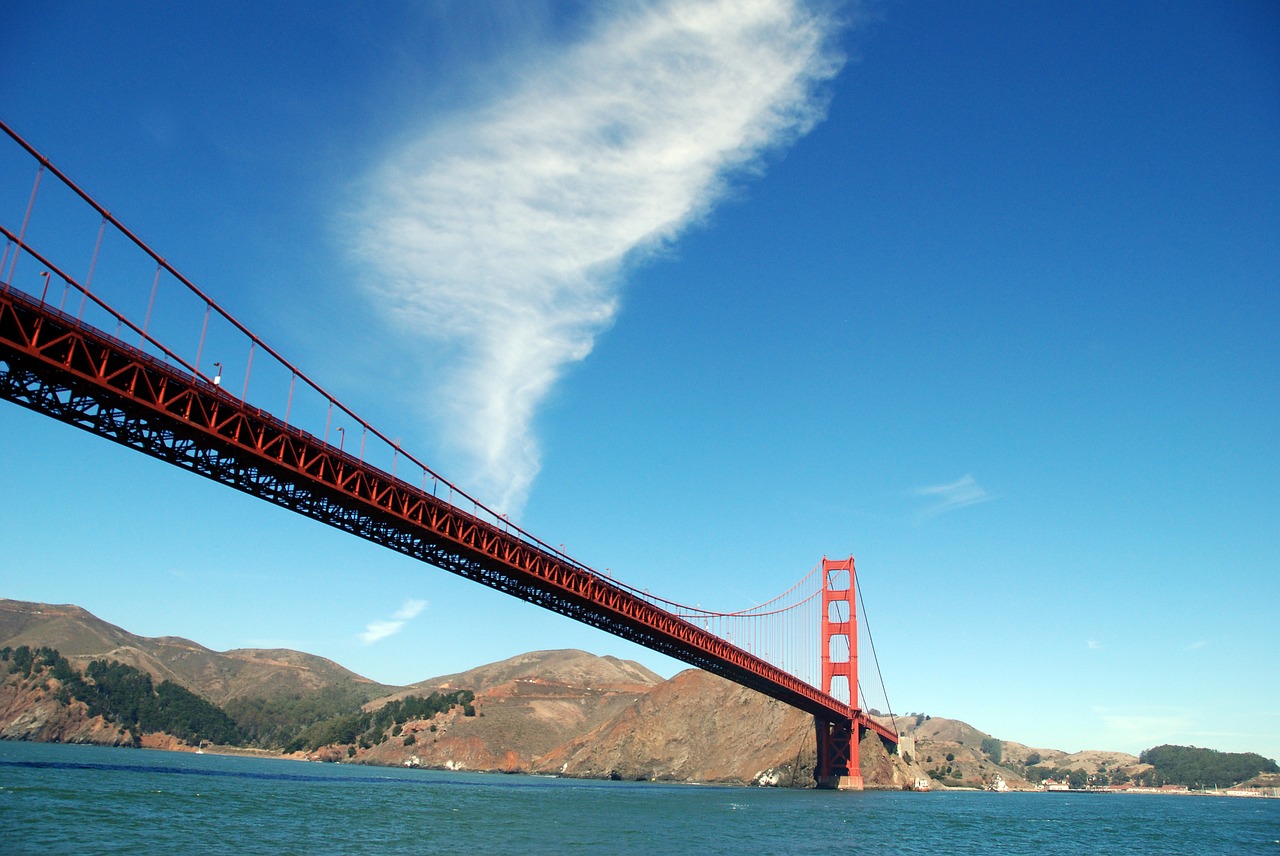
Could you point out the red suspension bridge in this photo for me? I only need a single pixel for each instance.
(124, 349)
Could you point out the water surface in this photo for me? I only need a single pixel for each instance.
(90, 799)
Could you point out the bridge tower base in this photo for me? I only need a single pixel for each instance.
(838, 766)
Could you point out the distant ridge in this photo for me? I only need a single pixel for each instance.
(218, 676)
(561, 712)
(570, 667)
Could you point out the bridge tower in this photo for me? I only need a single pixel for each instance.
(838, 762)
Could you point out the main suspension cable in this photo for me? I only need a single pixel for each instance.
(866, 622)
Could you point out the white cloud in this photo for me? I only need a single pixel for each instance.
(949, 497)
(1093, 645)
(381, 629)
(500, 235)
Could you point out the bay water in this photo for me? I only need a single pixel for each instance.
(91, 799)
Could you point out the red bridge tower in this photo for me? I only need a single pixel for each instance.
(838, 762)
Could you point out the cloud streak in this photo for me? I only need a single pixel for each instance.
(381, 629)
(499, 235)
(951, 497)
(1147, 726)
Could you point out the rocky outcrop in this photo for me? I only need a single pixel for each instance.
(30, 710)
(694, 727)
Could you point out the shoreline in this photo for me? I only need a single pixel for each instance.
(271, 754)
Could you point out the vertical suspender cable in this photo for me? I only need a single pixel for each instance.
(293, 377)
(4, 260)
(93, 264)
(203, 330)
(244, 394)
(22, 233)
(146, 325)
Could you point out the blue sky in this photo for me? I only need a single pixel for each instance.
(985, 297)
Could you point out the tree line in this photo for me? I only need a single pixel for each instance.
(128, 697)
(368, 728)
(1201, 768)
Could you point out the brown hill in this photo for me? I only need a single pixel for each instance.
(220, 677)
(570, 668)
(526, 706)
(694, 727)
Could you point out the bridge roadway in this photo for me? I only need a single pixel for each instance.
(56, 365)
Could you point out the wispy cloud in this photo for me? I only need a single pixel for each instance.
(1144, 726)
(949, 497)
(1093, 645)
(501, 234)
(383, 628)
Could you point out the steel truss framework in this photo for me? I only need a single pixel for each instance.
(54, 364)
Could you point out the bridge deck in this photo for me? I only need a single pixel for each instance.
(52, 363)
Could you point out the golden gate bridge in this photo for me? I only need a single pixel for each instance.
(132, 350)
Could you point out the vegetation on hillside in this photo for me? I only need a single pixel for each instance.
(276, 722)
(369, 728)
(1076, 778)
(1201, 768)
(127, 697)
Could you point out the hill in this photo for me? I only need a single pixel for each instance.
(527, 706)
(562, 712)
(953, 754)
(569, 668)
(221, 677)
(694, 727)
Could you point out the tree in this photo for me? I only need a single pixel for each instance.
(1194, 767)
(993, 749)
(1078, 780)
